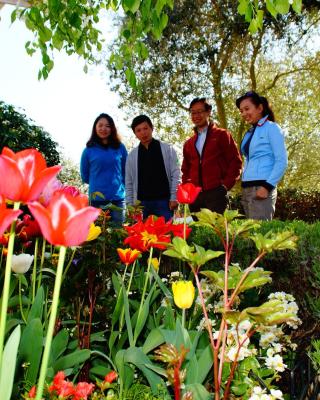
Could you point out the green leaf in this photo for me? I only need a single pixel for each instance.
(242, 6)
(205, 362)
(8, 366)
(271, 8)
(59, 345)
(143, 315)
(131, 5)
(239, 388)
(131, 77)
(153, 340)
(297, 6)
(31, 347)
(37, 306)
(71, 360)
(282, 6)
(199, 391)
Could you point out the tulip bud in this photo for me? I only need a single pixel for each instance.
(183, 293)
(21, 263)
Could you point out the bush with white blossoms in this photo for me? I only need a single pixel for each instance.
(261, 394)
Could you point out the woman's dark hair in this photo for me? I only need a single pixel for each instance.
(203, 100)
(113, 140)
(139, 120)
(256, 99)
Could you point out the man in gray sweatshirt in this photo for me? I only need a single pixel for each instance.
(152, 172)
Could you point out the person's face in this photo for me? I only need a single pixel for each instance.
(143, 132)
(103, 129)
(199, 115)
(250, 112)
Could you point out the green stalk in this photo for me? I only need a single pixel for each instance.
(184, 221)
(52, 321)
(20, 300)
(183, 319)
(6, 285)
(42, 261)
(69, 264)
(34, 271)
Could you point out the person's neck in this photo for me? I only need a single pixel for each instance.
(202, 127)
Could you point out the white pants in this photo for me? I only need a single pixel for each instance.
(258, 209)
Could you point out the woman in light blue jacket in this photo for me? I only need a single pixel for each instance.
(265, 155)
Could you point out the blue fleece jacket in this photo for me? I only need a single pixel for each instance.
(267, 158)
(103, 168)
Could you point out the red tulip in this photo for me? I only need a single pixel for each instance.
(27, 228)
(111, 376)
(187, 193)
(24, 174)
(66, 220)
(7, 215)
(128, 256)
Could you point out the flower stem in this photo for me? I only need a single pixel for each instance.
(6, 285)
(20, 300)
(34, 271)
(183, 319)
(52, 320)
(41, 261)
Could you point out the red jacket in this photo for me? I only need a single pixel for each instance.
(219, 164)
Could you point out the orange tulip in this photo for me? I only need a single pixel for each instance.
(66, 220)
(128, 256)
(24, 174)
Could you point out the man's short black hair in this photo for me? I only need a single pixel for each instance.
(139, 120)
(204, 101)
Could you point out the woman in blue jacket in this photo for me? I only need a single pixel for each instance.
(102, 166)
(265, 157)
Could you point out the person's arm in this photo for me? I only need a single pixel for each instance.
(84, 166)
(185, 168)
(277, 143)
(174, 175)
(123, 162)
(233, 160)
(129, 178)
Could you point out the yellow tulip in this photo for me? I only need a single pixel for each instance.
(183, 293)
(94, 232)
(155, 263)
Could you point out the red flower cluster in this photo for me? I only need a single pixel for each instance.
(154, 232)
(64, 388)
(27, 228)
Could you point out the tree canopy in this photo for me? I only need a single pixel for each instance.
(18, 132)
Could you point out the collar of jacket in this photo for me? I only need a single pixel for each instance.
(209, 128)
(262, 120)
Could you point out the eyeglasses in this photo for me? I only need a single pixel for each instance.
(194, 113)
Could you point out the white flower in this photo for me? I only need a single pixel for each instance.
(276, 363)
(21, 263)
(276, 394)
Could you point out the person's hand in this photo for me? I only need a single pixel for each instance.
(173, 204)
(262, 193)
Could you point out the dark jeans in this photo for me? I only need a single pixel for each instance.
(214, 199)
(117, 216)
(160, 208)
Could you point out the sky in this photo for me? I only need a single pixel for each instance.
(67, 103)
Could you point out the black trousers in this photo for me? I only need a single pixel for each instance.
(214, 199)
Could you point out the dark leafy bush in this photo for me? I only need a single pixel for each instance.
(292, 204)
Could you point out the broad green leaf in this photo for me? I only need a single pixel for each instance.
(199, 391)
(271, 8)
(71, 360)
(205, 362)
(192, 370)
(153, 340)
(37, 306)
(30, 349)
(59, 345)
(7, 369)
(143, 315)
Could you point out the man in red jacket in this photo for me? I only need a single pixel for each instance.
(211, 159)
